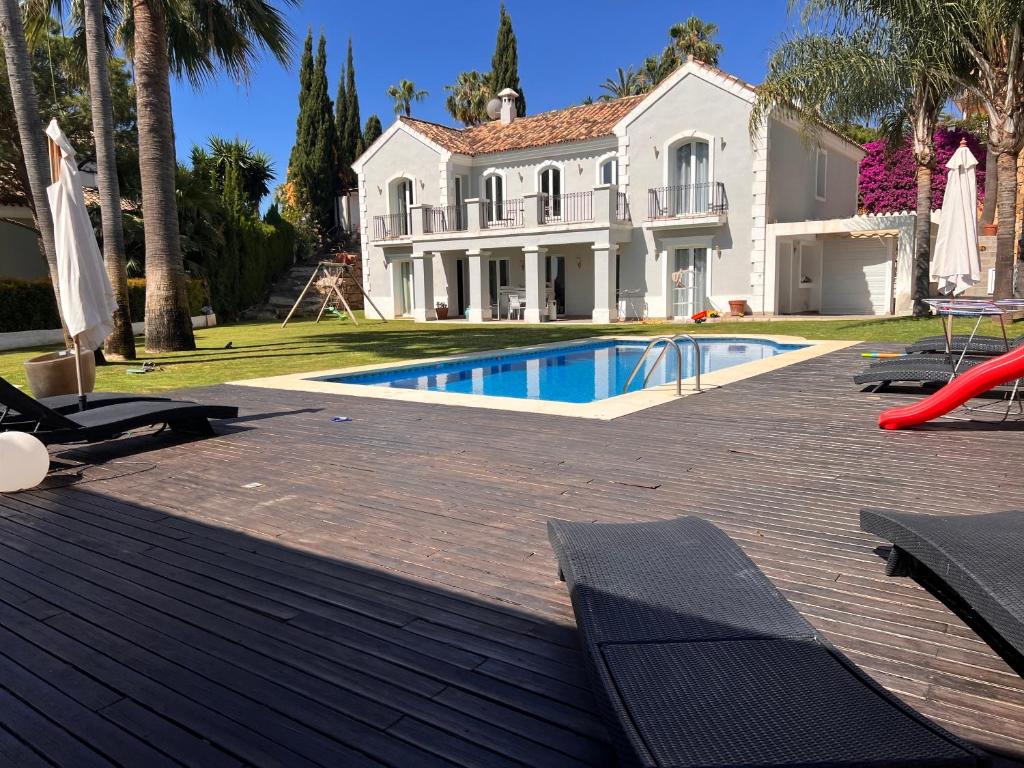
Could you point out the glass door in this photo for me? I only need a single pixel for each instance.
(555, 268)
(692, 176)
(689, 280)
(405, 292)
(403, 204)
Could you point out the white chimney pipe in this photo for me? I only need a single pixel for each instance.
(508, 105)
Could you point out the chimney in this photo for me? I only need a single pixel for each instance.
(508, 105)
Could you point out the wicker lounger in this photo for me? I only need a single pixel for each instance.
(972, 562)
(696, 659)
(979, 345)
(926, 369)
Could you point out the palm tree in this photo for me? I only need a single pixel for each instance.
(981, 44)
(625, 83)
(404, 94)
(841, 73)
(467, 98)
(695, 37)
(121, 342)
(192, 39)
(30, 128)
(255, 169)
(657, 68)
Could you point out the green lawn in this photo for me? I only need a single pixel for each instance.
(265, 349)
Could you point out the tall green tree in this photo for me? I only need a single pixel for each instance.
(505, 62)
(352, 129)
(297, 156)
(467, 98)
(340, 119)
(120, 344)
(314, 167)
(250, 169)
(25, 109)
(696, 37)
(627, 82)
(840, 71)
(404, 93)
(372, 131)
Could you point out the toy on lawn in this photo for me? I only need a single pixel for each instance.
(703, 317)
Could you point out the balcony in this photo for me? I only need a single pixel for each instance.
(503, 215)
(688, 205)
(438, 219)
(392, 226)
(622, 213)
(570, 208)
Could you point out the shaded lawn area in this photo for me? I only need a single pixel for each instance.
(266, 349)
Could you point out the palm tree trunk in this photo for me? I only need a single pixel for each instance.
(988, 210)
(30, 128)
(121, 342)
(1006, 201)
(168, 322)
(922, 240)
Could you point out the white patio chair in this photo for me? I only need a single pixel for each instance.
(515, 307)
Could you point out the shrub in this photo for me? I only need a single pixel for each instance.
(888, 182)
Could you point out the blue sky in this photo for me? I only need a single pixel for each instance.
(566, 49)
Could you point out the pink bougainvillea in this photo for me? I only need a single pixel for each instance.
(888, 184)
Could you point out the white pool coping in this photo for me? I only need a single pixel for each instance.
(606, 410)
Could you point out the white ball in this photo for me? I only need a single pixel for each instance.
(24, 461)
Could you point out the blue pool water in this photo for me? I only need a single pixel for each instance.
(578, 373)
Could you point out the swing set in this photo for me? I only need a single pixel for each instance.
(328, 279)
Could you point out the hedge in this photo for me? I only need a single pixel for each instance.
(29, 305)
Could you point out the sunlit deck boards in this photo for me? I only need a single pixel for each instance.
(387, 594)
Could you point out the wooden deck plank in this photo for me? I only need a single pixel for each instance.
(387, 594)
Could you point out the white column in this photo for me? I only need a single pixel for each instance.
(536, 292)
(605, 306)
(423, 286)
(479, 301)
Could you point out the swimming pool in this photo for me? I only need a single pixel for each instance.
(574, 373)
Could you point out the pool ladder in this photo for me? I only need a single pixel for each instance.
(671, 342)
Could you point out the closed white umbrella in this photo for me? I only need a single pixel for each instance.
(956, 265)
(86, 298)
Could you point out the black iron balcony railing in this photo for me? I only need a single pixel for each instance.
(567, 208)
(622, 207)
(703, 199)
(503, 215)
(391, 226)
(446, 218)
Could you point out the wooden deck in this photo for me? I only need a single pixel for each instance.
(386, 594)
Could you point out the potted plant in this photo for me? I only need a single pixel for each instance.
(54, 373)
(737, 307)
(442, 310)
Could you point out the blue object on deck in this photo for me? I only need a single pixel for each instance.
(573, 373)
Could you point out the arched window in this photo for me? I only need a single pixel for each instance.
(608, 171)
(494, 197)
(692, 176)
(551, 189)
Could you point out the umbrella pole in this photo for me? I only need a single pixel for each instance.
(78, 375)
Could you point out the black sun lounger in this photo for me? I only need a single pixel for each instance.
(925, 369)
(10, 418)
(979, 345)
(971, 562)
(696, 659)
(113, 420)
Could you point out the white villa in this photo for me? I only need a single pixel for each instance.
(658, 206)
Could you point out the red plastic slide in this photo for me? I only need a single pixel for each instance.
(976, 381)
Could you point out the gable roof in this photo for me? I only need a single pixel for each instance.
(580, 123)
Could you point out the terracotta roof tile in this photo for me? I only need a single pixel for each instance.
(588, 121)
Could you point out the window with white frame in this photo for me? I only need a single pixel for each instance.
(551, 188)
(608, 171)
(494, 197)
(820, 173)
(692, 193)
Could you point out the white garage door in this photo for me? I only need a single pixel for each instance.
(855, 277)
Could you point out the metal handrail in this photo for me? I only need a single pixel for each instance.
(669, 341)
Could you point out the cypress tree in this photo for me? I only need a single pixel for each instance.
(353, 128)
(340, 119)
(297, 158)
(372, 131)
(505, 62)
(316, 169)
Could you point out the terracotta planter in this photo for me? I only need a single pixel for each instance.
(989, 230)
(442, 313)
(738, 307)
(54, 373)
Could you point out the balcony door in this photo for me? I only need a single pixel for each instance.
(692, 178)
(689, 282)
(401, 205)
(494, 198)
(405, 292)
(551, 189)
